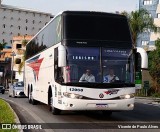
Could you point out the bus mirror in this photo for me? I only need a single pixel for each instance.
(144, 57)
(61, 56)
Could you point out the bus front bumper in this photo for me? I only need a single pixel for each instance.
(78, 104)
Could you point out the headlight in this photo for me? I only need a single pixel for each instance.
(73, 96)
(127, 96)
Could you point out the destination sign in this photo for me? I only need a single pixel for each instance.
(79, 57)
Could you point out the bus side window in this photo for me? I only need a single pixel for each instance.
(58, 74)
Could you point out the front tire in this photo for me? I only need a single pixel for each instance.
(30, 96)
(55, 111)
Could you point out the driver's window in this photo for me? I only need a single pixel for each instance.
(58, 71)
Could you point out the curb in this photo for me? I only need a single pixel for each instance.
(149, 98)
(32, 114)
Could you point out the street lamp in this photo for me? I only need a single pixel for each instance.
(12, 54)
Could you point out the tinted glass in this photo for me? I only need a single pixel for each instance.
(99, 61)
(80, 60)
(119, 62)
(49, 36)
(94, 26)
(19, 84)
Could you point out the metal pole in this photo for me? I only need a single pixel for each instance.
(13, 54)
(12, 70)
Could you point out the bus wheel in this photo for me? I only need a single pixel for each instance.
(54, 110)
(34, 102)
(30, 96)
(107, 113)
(31, 99)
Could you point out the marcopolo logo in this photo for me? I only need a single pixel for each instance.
(112, 91)
(101, 95)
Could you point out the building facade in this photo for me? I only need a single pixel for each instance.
(16, 21)
(18, 49)
(5, 66)
(15, 24)
(147, 38)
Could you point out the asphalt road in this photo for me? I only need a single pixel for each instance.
(146, 113)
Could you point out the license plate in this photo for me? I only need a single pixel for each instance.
(101, 105)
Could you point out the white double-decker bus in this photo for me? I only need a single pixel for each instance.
(73, 41)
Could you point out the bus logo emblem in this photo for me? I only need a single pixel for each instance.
(110, 92)
(101, 95)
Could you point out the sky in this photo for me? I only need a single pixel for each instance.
(56, 6)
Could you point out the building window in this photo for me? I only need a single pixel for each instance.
(34, 14)
(26, 20)
(18, 46)
(17, 61)
(19, 27)
(33, 21)
(11, 26)
(4, 26)
(4, 17)
(145, 42)
(11, 18)
(11, 41)
(147, 2)
(26, 28)
(3, 32)
(3, 40)
(19, 34)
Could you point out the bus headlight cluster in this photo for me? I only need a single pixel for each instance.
(72, 95)
(127, 96)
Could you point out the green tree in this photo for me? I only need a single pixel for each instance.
(154, 66)
(21, 65)
(2, 45)
(139, 21)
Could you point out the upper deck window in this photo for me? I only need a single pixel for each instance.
(94, 26)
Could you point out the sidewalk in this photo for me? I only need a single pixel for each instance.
(148, 98)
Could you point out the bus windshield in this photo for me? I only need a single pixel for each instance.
(99, 62)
